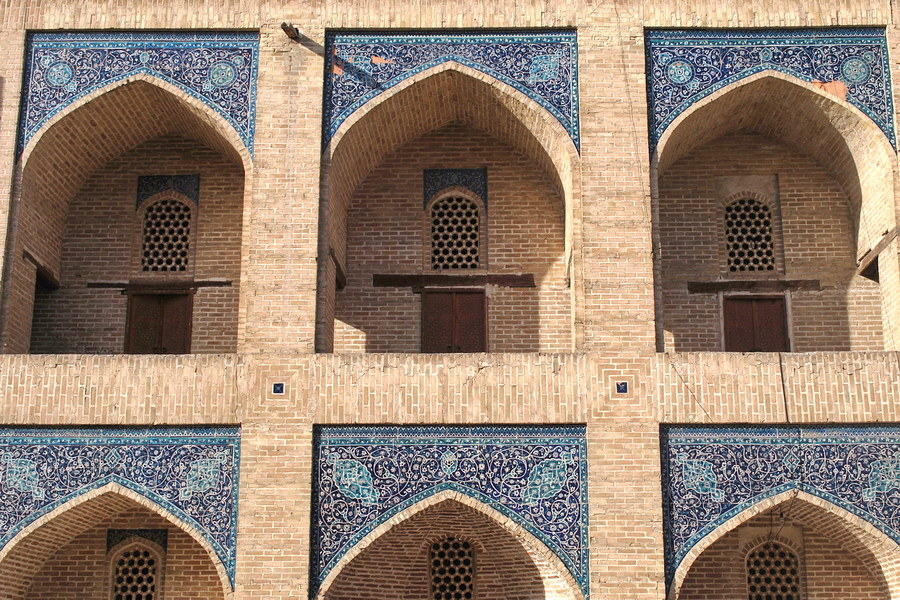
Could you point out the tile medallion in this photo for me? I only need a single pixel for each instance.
(686, 65)
(191, 473)
(536, 476)
(712, 474)
(217, 68)
(542, 65)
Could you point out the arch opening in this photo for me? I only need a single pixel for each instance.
(395, 557)
(80, 181)
(829, 175)
(448, 117)
(67, 552)
(839, 553)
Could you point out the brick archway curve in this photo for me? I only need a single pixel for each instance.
(235, 147)
(72, 145)
(838, 135)
(535, 548)
(19, 560)
(871, 546)
(397, 116)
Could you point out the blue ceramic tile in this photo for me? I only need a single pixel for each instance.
(537, 476)
(686, 65)
(192, 473)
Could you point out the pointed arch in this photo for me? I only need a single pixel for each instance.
(825, 127)
(67, 150)
(878, 552)
(427, 100)
(534, 547)
(58, 524)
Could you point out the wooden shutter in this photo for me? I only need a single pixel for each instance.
(755, 324)
(454, 321)
(159, 324)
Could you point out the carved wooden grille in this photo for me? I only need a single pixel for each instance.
(452, 570)
(454, 233)
(166, 239)
(135, 576)
(773, 573)
(751, 246)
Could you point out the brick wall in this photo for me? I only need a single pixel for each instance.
(522, 233)
(100, 244)
(828, 570)
(817, 241)
(397, 564)
(81, 568)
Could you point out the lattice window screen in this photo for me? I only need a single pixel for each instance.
(773, 573)
(749, 237)
(455, 234)
(135, 575)
(166, 236)
(452, 570)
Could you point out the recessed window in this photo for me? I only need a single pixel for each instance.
(455, 233)
(166, 236)
(773, 573)
(749, 239)
(136, 573)
(452, 570)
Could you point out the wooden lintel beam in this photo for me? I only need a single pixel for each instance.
(417, 282)
(756, 286)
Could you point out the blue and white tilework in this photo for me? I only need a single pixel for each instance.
(192, 473)
(537, 476)
(542, 65)
(712, 474)
(219, 69)
(437, 180)
(686, 65)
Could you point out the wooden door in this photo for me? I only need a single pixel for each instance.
(755, 324)
(159, 324)
(454, 321)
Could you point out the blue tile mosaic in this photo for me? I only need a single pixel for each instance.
(536, 476)
(542, 65)
(684, 66)
(219, 69)
(150, 185)
(712, 474)
(192, 473)
(436, 180)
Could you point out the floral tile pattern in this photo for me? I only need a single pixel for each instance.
(219, 69)
(686, 65)
(712, 474)
(192, 473)
(536, 476)
(542, 65)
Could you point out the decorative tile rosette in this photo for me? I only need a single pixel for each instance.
(712, 474)
(192, 473)
(219, 69)
(541, 65)
(537, 476)
(686, 65)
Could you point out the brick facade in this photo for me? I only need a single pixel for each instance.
(610, 338)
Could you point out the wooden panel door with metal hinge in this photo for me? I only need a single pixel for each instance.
(159, 324)
(454, 321)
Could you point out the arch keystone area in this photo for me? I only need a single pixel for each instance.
(872, 546)
(534, 547)
(59, 523)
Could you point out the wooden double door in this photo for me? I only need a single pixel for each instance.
(454, 321)
(755, 324)
(159, 323)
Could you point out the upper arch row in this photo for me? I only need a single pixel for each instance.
(219, 70)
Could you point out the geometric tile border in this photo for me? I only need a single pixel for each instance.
(536, 476)
(712, 474)
(219, 69)
(542, 65)
(192, 473)
(686, 65)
